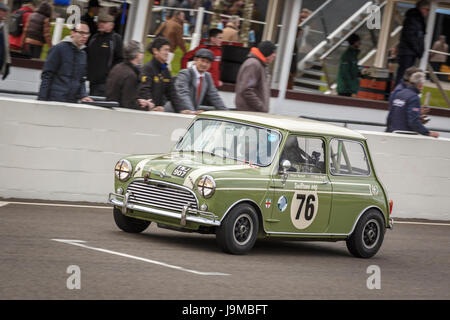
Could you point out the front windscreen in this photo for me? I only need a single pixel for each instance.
(231, 140)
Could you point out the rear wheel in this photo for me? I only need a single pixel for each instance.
(368, 235)
(238, 231)
(128, 224)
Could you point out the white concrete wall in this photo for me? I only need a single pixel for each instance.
(57, 151)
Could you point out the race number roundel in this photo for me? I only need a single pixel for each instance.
(304, 208)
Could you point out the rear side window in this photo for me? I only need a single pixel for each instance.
(348, 158)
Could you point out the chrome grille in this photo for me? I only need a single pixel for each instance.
(161, 195)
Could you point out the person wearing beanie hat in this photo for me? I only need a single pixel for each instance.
(105, 50)
(347, 78)
(195, 87)
(252, 84)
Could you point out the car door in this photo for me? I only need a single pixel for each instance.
(353, 183)
(302, 195)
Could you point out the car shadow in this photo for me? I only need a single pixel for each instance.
(270, 247)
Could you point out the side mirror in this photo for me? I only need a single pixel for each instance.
(286, 165)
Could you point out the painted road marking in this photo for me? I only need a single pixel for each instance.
(2, 204)
(55, 205)
(80, 243)
(422, 223)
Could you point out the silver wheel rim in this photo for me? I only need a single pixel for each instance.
(371, 234)
(243, 229)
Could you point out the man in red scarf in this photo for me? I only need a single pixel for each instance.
(252, 84)
(215, 46)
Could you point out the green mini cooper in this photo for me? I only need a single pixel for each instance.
(243, 176)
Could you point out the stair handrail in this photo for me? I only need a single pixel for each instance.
(315, 12)
(349, 20)
(359, 25)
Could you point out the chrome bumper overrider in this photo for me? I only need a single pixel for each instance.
(391, 223)
(187, 214)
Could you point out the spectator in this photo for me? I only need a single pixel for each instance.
(104, 50)
(64, 73)
(438, 59)
(252, 84)
(236, 8)
(215, 46)
(89, 16)
(123, 80)
(412, 39)
(347, 78)
(406, 110)
(37, 31)
(156, 79)
(231, 30)
(402, 85)
(195, 87)
(5, 59)
(172, 30)
(16, 30)
(121, 19)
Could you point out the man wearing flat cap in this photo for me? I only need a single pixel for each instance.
(105, 50)
(252, 84)
(194, 87)
(5, 59)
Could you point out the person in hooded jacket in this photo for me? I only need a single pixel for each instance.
(64, 74)
(411, 45)
(252, 83)
(37, 30)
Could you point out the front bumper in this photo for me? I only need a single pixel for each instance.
(187, 214)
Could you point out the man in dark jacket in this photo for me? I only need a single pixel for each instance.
(89, 16)
(411, 45)
(104, 50)
(123, 80)
(64, 73)
(195, 87)
(156, 80)
(405, 108)
(347, 78)
(252, 84)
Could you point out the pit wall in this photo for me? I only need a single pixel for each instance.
(56, 151)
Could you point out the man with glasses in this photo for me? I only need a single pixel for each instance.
(64, 73)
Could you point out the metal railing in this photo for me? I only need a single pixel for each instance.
(363, 123)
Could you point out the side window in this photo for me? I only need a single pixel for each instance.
(305, 154)
(348, 158)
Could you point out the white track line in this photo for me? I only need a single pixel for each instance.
(422, 223)
(79, 243)
(54, 205)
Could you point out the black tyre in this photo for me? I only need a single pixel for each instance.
(129, 224)
(238, 231)
(366, 239)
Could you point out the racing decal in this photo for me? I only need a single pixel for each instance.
(268, 203)
(282, 203)
(304, 207)
(180, 171)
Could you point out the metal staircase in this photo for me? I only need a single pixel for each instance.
(311, 70)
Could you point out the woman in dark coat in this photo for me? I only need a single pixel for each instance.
(37, 30)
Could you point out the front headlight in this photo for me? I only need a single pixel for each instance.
(206, 186)
(123, 169)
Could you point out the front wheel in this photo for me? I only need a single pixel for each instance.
(238, 231)
(128, 224)
(368, 235)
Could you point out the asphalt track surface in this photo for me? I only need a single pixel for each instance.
(163, 264)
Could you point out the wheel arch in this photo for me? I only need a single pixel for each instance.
(363, 212)
(254, 205)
